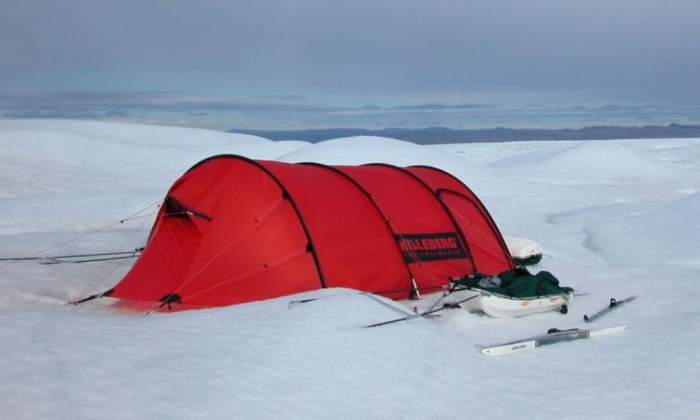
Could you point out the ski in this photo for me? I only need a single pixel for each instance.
(613, 304)
(553, 336)
(295, 302)
(429, 313)
(370, 295)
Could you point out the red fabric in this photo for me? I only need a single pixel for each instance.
(485, 248)
(254, 247)
(353, 244)
(491, 255)
(411, 208)
(234, 230)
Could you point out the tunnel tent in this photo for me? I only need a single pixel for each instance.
(234, 230)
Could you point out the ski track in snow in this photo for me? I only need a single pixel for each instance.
(617, 218)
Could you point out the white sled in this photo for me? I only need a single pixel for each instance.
(524, 251)
(501, 306)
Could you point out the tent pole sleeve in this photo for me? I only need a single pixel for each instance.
(286, 195)
(376, 207)
(481, 206)
(91, 297)
(442, 205)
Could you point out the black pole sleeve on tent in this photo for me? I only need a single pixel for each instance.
(169, 299)
(411, 277)
(285, 196)
(91, 297)
(310, 244)
(442, 204)
(483, 208)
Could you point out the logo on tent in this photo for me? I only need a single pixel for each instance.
(417, 247)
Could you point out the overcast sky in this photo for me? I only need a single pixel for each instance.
(357, 52)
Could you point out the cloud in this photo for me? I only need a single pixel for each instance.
(364, 51)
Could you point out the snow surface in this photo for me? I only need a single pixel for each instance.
(617, 218)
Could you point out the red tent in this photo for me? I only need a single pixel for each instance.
(235, 230)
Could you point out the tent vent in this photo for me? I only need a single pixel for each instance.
(174, 208)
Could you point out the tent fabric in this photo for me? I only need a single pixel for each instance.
(234, 230)
(446, 185)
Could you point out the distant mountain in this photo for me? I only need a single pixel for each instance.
(435, 135)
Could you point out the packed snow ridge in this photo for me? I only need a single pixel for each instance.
(617, 218)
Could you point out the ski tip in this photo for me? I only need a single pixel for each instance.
(487, 350)
(607, 330)
(586, 318)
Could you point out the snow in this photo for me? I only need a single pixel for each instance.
(616, 218)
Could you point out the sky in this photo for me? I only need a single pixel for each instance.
(298, 63)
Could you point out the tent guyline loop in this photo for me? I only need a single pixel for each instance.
(275, 228)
